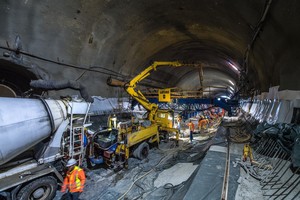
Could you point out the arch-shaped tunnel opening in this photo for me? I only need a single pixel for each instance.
(213, 66)
(15, 80)
(236, 57)
(122, 38)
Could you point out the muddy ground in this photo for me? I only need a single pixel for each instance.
(144, 178)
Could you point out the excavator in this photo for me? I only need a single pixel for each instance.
(134, 137)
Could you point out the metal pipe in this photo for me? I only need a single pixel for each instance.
(295, 181)
(296, 195)
(274, 168)
(287, 169)
(282, 186)
(284, 164)
(259, 27)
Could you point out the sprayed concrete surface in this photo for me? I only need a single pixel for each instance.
(249, 188)
(175, 175)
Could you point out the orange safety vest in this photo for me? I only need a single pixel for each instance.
(191, 126)
(74, 180)
(221, 114)
(202, 123)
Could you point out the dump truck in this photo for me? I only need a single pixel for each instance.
(37, 137)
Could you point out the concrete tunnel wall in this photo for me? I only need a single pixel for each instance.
(120, 38)
(273, 107)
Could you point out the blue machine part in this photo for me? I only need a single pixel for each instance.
(113, 147)
(218, 102)
(194, 105)
(85, 141)
(98, 160)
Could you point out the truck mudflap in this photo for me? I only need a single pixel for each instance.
(14, 180)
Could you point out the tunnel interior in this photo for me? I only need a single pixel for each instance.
(239, 55)
(252, 44)
(15, 80)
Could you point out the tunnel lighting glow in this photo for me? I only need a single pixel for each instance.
(231, 92)
(233, 66)
(231, 82)
(225, 97)
(219, 99)
(231, 88)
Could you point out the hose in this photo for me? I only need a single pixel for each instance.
(151, 170)
(134, 183)
(240, 136)
(58, 85)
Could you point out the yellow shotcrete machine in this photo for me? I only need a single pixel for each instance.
(134, 138)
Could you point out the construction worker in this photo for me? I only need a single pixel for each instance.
(221, 113)
(247, 152)
(74, 180)
(192, 129)
(202, 123)
(212, 114)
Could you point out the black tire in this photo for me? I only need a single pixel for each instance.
(125, 165)
(42, 189)
(89, 163)
(5, 197)
(164, 136)
(142, 151)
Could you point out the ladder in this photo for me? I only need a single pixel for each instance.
(77, 147)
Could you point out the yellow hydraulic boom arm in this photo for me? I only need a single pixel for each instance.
(130, 87)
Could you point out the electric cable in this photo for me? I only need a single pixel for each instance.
(240, 136)
(90, 69)
(151, 170)
(138, 179)
(113, 73)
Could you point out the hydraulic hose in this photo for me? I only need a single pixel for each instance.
(58, 85)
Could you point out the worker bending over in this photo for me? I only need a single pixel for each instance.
(203, 123)
(74, 180)
(247, 152)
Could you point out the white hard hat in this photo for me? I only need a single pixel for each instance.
(71, 162)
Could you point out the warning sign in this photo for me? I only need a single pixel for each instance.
(164, 95)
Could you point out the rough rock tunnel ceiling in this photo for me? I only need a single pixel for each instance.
(119, 38)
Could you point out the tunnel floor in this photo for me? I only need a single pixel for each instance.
(190, 171)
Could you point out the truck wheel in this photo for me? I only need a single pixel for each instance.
(142, 151)
(42, 189)
(164, 136)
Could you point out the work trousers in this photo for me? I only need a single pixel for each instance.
(191, 136)
(73, 195)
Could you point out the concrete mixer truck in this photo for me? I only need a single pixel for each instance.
(37, 137)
